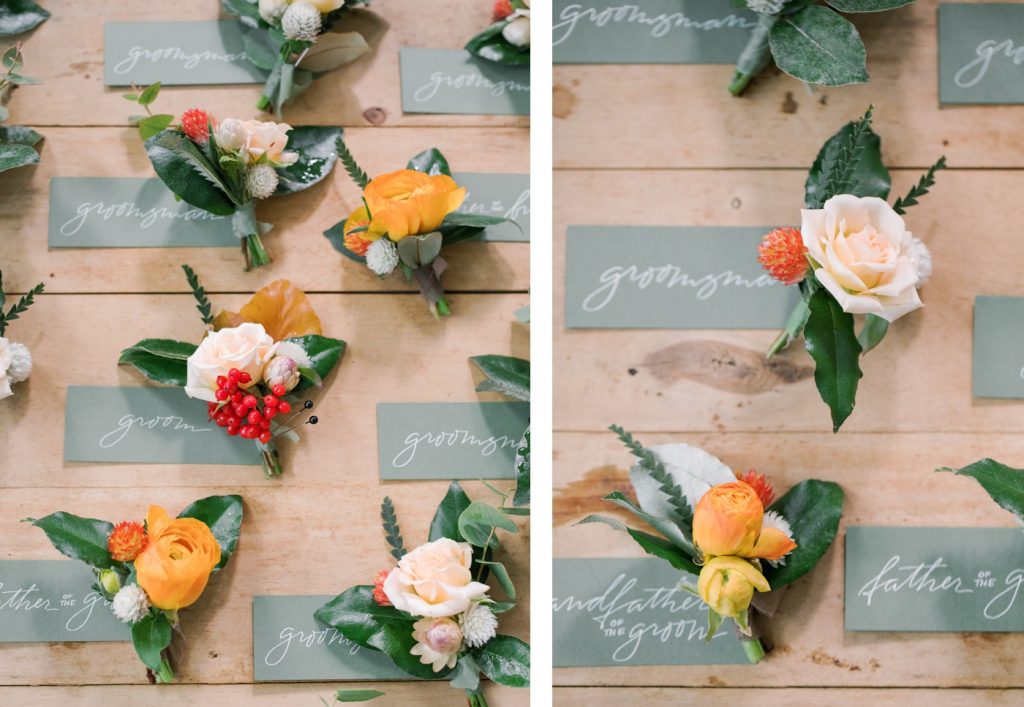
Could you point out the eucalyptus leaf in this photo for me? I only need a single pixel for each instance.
(467, 674)
(223, 515)
(503, 577)
(479, 523)
(418, 251)
(260, 49)
(79, 538)
(872, 332)
(1003, 483)
(819, 46)
(149, 94)
(830, 340)
(152, 125)
(813, 509)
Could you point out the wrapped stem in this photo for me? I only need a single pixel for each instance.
(476, 697)
(428, 277)
(271, 460)
(755, 56)
(247, 230)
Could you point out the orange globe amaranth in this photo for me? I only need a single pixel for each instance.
(126, 541)
(783, 254)
(177, 562)
(761, 486)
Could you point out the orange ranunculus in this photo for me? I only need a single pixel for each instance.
(177, 562)
(727, 520)
(281, 307)
(408, 203)
(360, 242)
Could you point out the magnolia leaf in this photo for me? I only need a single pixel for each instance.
(281, 307)
(813, 509)
(445, 523)
(315, 145)
(431, 162)
(79, 538)
(223, 516)
(830, 340)
(17, 16)
(151, 636)
(1003, 483)
(505, 660)
(333, 50)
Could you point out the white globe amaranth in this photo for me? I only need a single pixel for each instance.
(301, 21)
(21, 363)
(6, 359)
(131, 604)
(261, 181)
(271, 10)
(382, 256)
(479, 625)
(766, 7)
(921, 257)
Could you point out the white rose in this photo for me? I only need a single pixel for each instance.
(6, 357)
(230, 134)
(324, 6)
(246, 347)
(271, 10)
(267, 139)
(434, 580)
(859, 248)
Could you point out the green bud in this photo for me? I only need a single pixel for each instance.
(110, 581)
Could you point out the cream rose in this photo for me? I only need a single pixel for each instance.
(434, 580)
(324, 6)
(6, 358)
(246, 347)
(267, 139)
(859, 248)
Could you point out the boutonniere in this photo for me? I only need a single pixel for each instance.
(147, 572)
(510, 376)
(17, 142)
(853, 255)
(250, 366)
(807, 40)
(15, 358)
(432, 613)
(225, 166)
(407, 217)
(1003, 483)
(507, 41)
(20, 16)
(726, 529)
(295, 41)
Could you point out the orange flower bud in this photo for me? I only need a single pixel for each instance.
(727, 520)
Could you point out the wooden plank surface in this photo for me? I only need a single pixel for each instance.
(66, 54)
(299, 250)
(725, 697)
(683, 116)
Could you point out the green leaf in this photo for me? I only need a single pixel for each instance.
(522, 494)
(351, 167)
(334, 49)
(714, 621)
(160, 360)
(505, 374)
(202, 303)
(431, 162)
(19, 134)
(818, 46)
(920, 189)
(392, 533)
(467, 674)
(12, 156)
(151, 636)
(666, 527)
(502, 575)
(445, 523)
(241, 8)
(149, 94)
(647, 463)
(357, 695)
(79, 538)
(659, 547)
(260, 49)
(417, 251)
(854, 6)
(1003, 483)
(491, 45)
(17, 16)
(452, 234)
(359, 618)
(19, 308)
(458, 218)
(315, 145)
(154, 124)
(872, 333)
(813, 509)
(832, 344)
(323, 351)
(188, 173)
(610, 522)
(223, 515)
(478, 524)
(850, 162)
(505, 660)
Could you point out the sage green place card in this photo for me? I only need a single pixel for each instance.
(455, 81)
(176, 53)
(110, 212)
(449, 440)
(981, 53)
(504, 195)
(671, 277)
(152, 425)
(651, 32)
(53, 600)
(633, 612)
(289, 644)
(998, 361)
(934, 579)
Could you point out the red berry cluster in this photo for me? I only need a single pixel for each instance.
(239, 410)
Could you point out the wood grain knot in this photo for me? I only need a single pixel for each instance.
(562, 102)
(583, 497)
(723, 366)
(375, 116)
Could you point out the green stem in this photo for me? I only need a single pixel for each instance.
(780, 343)
(255, 254)
(440, 309)
(476, 697)
(164, 675)
(263, 103)
(753, 648)
(740, 81)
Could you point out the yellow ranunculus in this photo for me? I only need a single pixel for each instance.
(728, 520)
(178, 559)
(324, 6)
(727, 584)
(409, 203)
